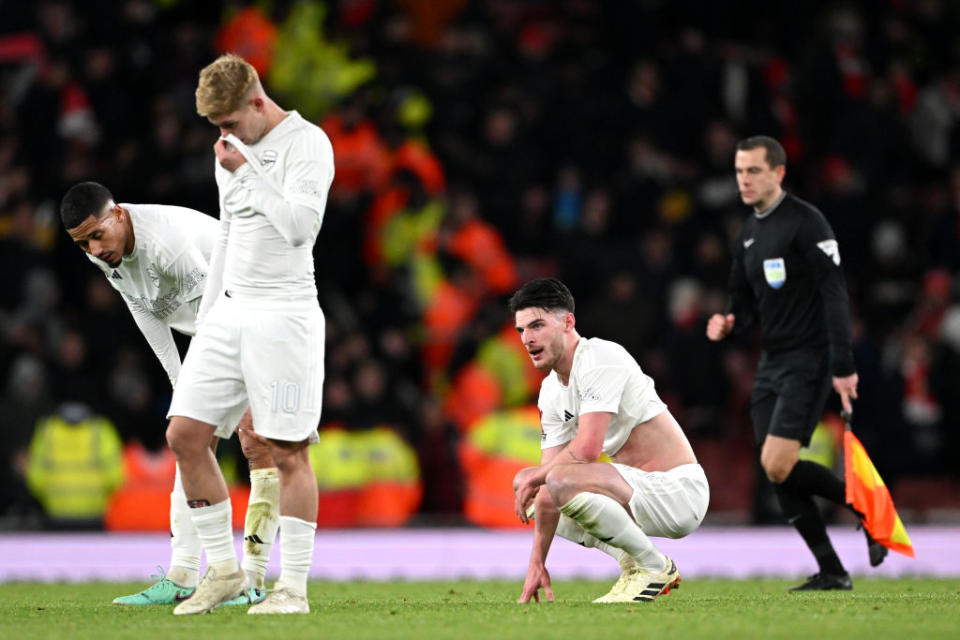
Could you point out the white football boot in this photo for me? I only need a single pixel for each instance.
(282, 600)
(214, 589)
(643, 585)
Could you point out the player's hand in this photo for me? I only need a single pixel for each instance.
(524, 491)
(847, 388)
(256, 448)
(537, 578)
(228, 156)
(719, 326)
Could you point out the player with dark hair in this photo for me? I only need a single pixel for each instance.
(157, 258)
(786, 275)
(595, 399)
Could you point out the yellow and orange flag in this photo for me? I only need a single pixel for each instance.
(868, 495)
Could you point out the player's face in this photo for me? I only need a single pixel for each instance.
(541, 332)
(248, 123)
(759, 184)
(104, 236)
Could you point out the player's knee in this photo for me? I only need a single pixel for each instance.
(561, 485)
(290, 459)
(182, 442)
(544, 498)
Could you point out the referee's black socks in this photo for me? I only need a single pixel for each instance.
(802, 512)
(810, 478)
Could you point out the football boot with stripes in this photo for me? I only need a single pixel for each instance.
(643, 585)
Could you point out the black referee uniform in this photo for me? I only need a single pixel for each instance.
(786, 274)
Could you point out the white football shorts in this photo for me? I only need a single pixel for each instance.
(265, 353)
(667, 504)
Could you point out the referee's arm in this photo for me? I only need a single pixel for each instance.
(823, 254)
(741, 304)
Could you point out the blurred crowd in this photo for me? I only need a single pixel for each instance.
(479, 144)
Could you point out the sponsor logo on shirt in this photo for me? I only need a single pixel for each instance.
(775, 271)
(567, 416)
(832, 249)
(747, 243)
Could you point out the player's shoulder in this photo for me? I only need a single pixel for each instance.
(160, 228)
(597, 352)
(309, 141)
(167, 219)
(305, 134)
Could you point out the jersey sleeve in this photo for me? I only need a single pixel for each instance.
(601, 389)
(214, 280)
(296, 210)
(553, 430)
(187, 268)
(158, 336)
(741, 302)
(309, 172)
(819, 247)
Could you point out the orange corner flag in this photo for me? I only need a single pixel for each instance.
(868, 495)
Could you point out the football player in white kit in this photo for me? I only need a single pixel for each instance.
(261, 335)
(157, 258)
(595, 399)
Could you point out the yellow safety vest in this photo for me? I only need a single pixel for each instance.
(74, 468)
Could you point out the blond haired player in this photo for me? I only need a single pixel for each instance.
(157, 258)
(261, 335)
(595, 399)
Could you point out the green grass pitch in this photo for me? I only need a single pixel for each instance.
(464, 610)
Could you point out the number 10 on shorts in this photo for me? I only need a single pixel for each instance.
(285, 396)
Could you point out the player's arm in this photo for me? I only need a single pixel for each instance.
(295, 222)
(214, 285)
(546, 518)
(822, 252)
(296, 208)
(159, 337)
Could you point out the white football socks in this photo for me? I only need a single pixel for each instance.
(215, 528)
(297, 539)
(607, 520)
(185, 546)
(569, 529)
(260, 526)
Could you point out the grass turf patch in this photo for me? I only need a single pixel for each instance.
(464, 610)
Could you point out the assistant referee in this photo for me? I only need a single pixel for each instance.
(786, 274)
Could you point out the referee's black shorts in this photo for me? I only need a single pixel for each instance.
(790, 390)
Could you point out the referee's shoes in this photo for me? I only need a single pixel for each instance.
(826, 582)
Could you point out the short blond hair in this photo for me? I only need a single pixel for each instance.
(224, 84)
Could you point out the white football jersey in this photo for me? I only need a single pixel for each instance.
(296, 157)
(604, 377)
(162, 279)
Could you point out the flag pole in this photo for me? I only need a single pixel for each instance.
(847, 418)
